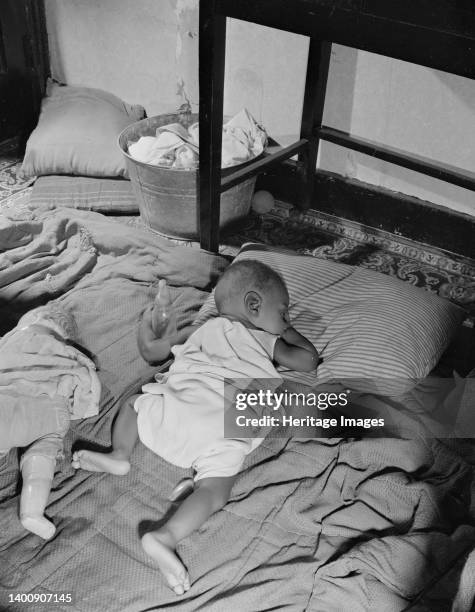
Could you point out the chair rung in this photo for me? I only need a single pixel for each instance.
(259, 165)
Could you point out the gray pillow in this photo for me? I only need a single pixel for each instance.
(77, 133)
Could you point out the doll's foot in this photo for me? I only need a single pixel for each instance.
(38, 525)
(169, 564)
(112, 463)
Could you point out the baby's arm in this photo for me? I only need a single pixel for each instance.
(294, 351)
(153, 349)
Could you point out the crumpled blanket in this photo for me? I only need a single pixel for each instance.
(42, 374)
(176, 147)
(312, 524)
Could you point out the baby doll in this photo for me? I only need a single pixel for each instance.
(44, 383)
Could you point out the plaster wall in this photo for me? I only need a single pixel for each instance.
(146, 51)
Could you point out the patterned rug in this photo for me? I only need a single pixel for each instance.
(313, 233)
(10, 180)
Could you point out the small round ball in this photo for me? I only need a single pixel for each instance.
(262, 202)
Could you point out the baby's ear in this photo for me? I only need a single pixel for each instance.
(252, 302)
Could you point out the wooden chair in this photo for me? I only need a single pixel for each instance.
(440, 37)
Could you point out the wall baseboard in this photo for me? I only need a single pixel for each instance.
(377, 207)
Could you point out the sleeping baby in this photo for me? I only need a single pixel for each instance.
(44, 383)
(181, 417)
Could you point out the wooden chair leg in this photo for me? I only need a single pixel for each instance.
(212, 41)
(312, 115)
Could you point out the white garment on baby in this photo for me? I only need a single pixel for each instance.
(182, 417)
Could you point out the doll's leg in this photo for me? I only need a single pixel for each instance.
(37, 469)
(124, 437)
(37, 473)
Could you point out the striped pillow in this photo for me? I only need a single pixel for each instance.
(375, 333)
(85, 193)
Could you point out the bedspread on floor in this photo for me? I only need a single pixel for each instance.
(310, 525)
(105, 273)
(321, 525)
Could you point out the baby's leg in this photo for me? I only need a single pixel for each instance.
(210, 495)
(124, 437)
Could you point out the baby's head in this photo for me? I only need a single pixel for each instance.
(252, 291)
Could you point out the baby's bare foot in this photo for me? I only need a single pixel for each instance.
(100, 462)
(169, 564)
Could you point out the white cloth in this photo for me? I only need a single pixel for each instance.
(181, 418)
(243, 139)
(177, 147)
(45, 382)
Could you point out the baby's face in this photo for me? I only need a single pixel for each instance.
(274, 311)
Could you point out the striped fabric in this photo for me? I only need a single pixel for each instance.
(374, 333)
(85, 193)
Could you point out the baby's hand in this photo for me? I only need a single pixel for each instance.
(147, 319)
(151, 348)
(289, 334)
